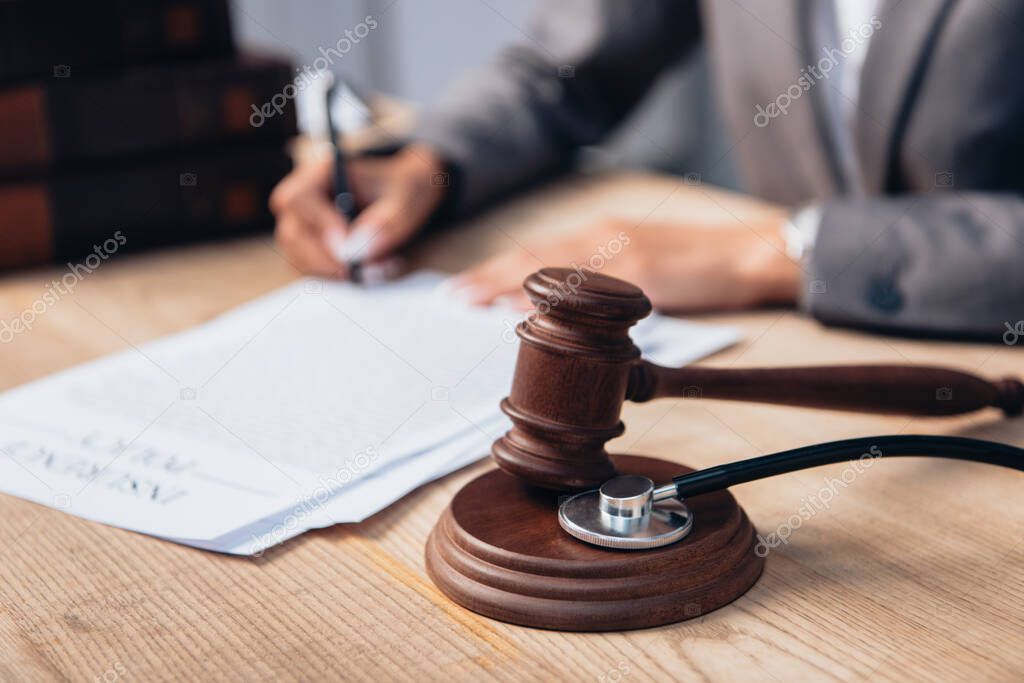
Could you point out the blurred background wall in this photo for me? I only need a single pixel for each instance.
(419, 47)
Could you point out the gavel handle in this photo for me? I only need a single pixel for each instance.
(887, 389)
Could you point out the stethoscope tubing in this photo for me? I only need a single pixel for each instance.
(956, 447)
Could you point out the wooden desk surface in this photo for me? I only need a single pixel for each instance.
(913, 571)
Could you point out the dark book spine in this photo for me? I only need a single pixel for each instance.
(151, 204)
(61, 38)
(141, 111)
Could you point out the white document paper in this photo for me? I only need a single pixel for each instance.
(316, 404)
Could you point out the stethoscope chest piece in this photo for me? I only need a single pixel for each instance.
(626, 513)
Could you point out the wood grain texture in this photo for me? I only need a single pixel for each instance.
(499, 551)
(897, 578)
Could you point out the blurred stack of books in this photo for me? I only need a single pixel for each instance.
(136, 122)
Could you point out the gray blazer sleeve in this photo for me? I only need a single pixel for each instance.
(931, 263)
(577, 72)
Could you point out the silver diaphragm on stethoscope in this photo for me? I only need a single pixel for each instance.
(626, 513)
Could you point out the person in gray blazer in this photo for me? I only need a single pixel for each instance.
(887, 136)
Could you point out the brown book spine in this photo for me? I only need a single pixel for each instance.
(155, 203)
(25, 140)
(141, 111)
(26, 225)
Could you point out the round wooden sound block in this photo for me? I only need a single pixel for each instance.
(498, 550)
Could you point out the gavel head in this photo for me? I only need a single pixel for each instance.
(571, 378)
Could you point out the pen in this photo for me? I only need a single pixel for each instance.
(344, 200)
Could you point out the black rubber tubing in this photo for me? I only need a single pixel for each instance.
(959, 448)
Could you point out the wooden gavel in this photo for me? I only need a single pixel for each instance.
(577, 365)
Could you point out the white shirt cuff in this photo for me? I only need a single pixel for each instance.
(801, 231)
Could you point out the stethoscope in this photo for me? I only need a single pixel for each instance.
(630, 512)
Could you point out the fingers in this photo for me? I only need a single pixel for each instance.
(500, 280)
(306, 219)
(317, 238)
(403, 198)
(367, 177)
(518, 301)
(313, 177)
(318, 211)
(406, 195)
(384, 226)
(497, 281)
(304, 250)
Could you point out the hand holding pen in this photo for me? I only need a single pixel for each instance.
(338, 210)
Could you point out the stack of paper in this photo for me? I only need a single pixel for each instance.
(316, 404)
